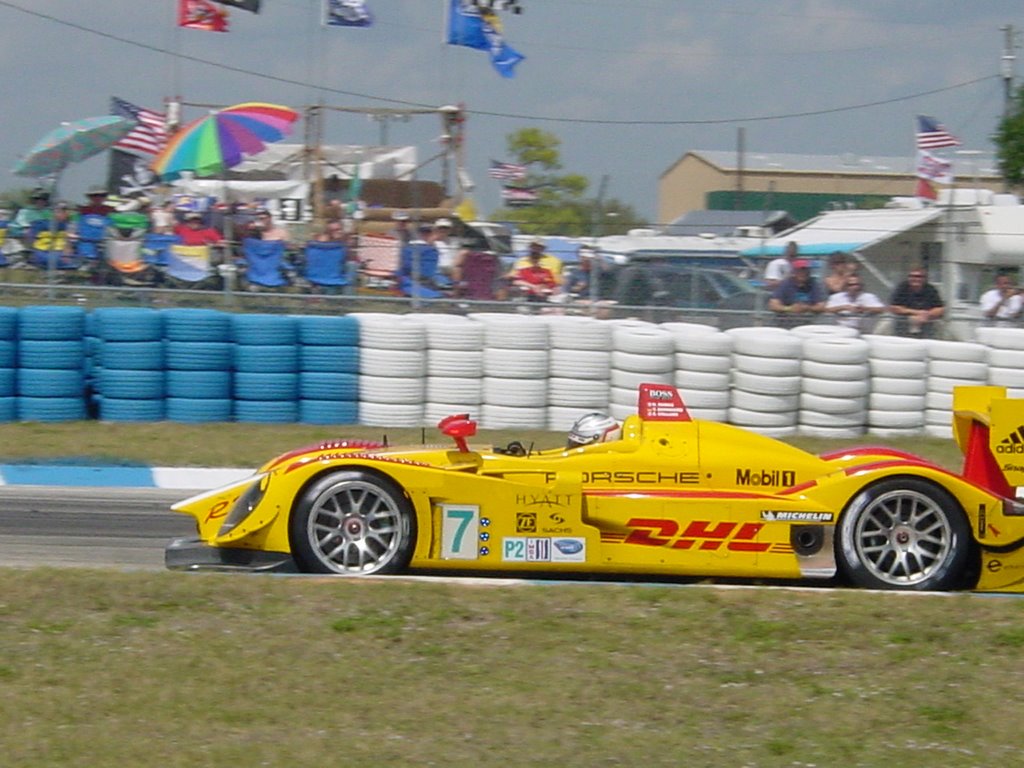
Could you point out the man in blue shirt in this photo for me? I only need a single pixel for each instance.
(799, 298)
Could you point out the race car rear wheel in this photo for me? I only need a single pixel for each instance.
(354, 523)
(904, 533)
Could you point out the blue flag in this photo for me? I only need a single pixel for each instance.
(347, 13)
(480, 28)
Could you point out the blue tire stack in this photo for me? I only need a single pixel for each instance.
(51, 364)
(266, 368)
(328, 370)
(129, 377)
(198, 359)
(8, 363)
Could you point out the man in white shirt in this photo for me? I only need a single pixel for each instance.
(447, 252)
(854, 307)
(1002, 305)
(781, 268)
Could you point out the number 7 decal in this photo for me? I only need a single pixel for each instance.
(459, 531)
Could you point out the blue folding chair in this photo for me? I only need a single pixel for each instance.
(92, 232)
(264, 262)
(156, 248)
(50, 246)
(326, 264)
(431, 282)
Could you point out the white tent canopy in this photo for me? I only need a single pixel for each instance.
(337, 159)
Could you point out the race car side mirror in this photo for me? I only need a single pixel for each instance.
(458, 428)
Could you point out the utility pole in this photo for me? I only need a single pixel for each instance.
(1007, 64)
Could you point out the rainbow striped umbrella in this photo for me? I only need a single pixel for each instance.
(221, 140)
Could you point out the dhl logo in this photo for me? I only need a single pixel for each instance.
(698, 534)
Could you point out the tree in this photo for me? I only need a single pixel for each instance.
(562, 206)
(1009, 140)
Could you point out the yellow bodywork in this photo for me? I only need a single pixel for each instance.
(686, 498)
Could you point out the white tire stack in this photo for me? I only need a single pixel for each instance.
(392, 370)
(834, 400)
(703, 373)
(950, 364)
(1005, 358)
(515, 383)
(899, 386)
(642, 353)
(766, 380)
(579, 366)
(455, 367)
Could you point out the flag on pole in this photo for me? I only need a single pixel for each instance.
(934, 169)
(472, 26)
(149, 134)
(931, 134)
(926, 190)
(347, 13)
(507, 171)
(202, 15)
(246, 5)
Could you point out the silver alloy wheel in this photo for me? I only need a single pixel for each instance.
(902, 537)
(355, 527)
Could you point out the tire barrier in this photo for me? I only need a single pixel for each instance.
(508, 371)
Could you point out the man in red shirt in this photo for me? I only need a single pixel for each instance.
(193, 232)
(535, 282)
(97, 205)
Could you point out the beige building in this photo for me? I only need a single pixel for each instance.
(802, 185)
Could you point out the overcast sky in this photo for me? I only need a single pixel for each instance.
(628, 86)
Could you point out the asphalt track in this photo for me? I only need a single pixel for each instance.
(124, 528)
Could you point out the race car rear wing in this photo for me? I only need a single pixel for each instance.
(989, 428)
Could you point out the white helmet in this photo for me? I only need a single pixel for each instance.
(593, 428)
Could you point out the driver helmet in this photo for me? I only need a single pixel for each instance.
(593, 428)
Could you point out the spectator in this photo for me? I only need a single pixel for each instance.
(854, 307)
(192, 231)
(799, 297)
(418, 272)
(264, 227)
(781, 268)
(97, 202)
(1002, 304)
(917, 306)
(534, 281)
(840, 267)
(401, 231)
(447, 251)
(162, 219)
(332, 232)
(577, 283)
(551, 263)
(26, 221)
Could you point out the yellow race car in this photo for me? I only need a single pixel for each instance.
(667, 495)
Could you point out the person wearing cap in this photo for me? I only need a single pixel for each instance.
(917, 305)
(799, 298)
(853, 306)
(265, 228)
(535, 282)
(192, 231)
(551, 263)
(447, 253)
(400, 231)
(97, 202)
(28, 221)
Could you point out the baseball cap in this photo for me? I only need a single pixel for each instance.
(443, 223)
(801, 264)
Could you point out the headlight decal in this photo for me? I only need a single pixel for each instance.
(245, 504)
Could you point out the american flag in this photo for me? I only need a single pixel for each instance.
(507, 171)
(931, 134)
(149, 135)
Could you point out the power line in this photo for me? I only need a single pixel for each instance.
(484, 113)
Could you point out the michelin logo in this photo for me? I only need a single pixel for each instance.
(796, 517)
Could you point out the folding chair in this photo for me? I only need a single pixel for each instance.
(156, 248)
(264, 262)
(189, 264)
(326, 265)
(125, 263)
(91, 232)
(480, 272)
(378, 262)
(429, 281)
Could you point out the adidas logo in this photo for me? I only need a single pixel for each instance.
(1013, 443)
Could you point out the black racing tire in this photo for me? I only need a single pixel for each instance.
(352, 522)
(904, 533)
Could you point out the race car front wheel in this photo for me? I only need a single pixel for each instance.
(903, 533)
(354, 523)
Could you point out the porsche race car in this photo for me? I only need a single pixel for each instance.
(671, 496)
